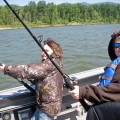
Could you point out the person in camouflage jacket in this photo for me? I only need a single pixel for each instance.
(47, 79)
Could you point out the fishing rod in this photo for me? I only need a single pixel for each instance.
(67, 79)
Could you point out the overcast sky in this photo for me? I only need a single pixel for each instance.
(25, 2)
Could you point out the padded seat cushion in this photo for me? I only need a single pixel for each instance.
(104, 111)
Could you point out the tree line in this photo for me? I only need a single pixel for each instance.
(65, 13)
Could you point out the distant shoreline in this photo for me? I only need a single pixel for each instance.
(5, 28)
(40, 26)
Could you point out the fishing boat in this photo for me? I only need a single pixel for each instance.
(19, 103)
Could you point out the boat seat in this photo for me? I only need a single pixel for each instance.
(104, 111)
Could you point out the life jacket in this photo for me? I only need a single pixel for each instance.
(109, 72)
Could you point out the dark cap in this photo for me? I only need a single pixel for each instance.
(111, 51)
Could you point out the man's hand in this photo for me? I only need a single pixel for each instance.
(75, 93)
(2, 66)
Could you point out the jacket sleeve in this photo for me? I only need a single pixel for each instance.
(97, 94)
(31, 72)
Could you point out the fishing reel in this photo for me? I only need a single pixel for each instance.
(73, 81)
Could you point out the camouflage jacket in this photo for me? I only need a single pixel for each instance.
(48, 82)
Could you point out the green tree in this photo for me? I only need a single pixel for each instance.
(42, 13)
(32, 12)
(51, 13)
(41, 9)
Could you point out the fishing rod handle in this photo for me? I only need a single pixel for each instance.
(69, 83)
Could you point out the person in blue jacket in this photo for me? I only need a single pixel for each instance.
(108, 88)
(114, 53)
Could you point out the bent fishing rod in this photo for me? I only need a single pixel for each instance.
(67, 79)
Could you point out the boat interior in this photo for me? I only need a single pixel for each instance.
(19, 103)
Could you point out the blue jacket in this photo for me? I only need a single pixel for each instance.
(109, 72)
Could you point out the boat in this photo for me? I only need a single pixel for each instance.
(19, 103)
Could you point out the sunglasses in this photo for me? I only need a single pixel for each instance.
(116, 45)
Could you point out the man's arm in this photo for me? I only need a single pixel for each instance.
(97, 94)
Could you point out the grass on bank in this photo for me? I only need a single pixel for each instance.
(18, 25)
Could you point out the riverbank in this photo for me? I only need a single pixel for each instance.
(37, 26)
(5, 28)
(57, 25)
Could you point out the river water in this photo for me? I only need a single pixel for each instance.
(84, 47)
